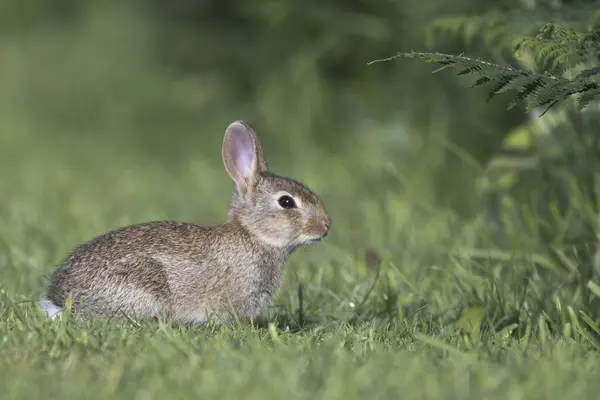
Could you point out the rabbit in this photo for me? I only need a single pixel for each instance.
(193, 273)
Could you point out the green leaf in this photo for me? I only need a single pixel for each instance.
(587, 73)
(470, 321)
(593, 326)
(594, 288)
(481, 81)
(587, 97)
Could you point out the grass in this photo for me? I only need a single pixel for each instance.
(403, 299)
(364, 332)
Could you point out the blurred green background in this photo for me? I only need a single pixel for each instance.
(166, 79)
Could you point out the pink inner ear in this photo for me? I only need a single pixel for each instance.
(243, 152)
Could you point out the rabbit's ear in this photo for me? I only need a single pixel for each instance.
(242, 155)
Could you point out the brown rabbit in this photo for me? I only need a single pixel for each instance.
(191, 272)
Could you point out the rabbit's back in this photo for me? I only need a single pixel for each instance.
(181, 268)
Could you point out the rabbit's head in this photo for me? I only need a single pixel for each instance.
(280, 212)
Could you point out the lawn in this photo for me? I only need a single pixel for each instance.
(404, 299)
(348, 339)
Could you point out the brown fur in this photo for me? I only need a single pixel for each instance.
(189, 271)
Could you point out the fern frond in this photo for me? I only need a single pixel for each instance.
(522, 81)
(501, 28)
(481, 81)
(588, 73)
(535, 89)
(556, 46)
(586, 98)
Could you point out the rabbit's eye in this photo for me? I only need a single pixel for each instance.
(286, 202)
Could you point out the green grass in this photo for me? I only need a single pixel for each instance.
(397, 340)
(451, 308)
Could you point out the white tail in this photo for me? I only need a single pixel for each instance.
(51, 309)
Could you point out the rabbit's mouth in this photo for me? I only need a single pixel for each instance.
(314, 240)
